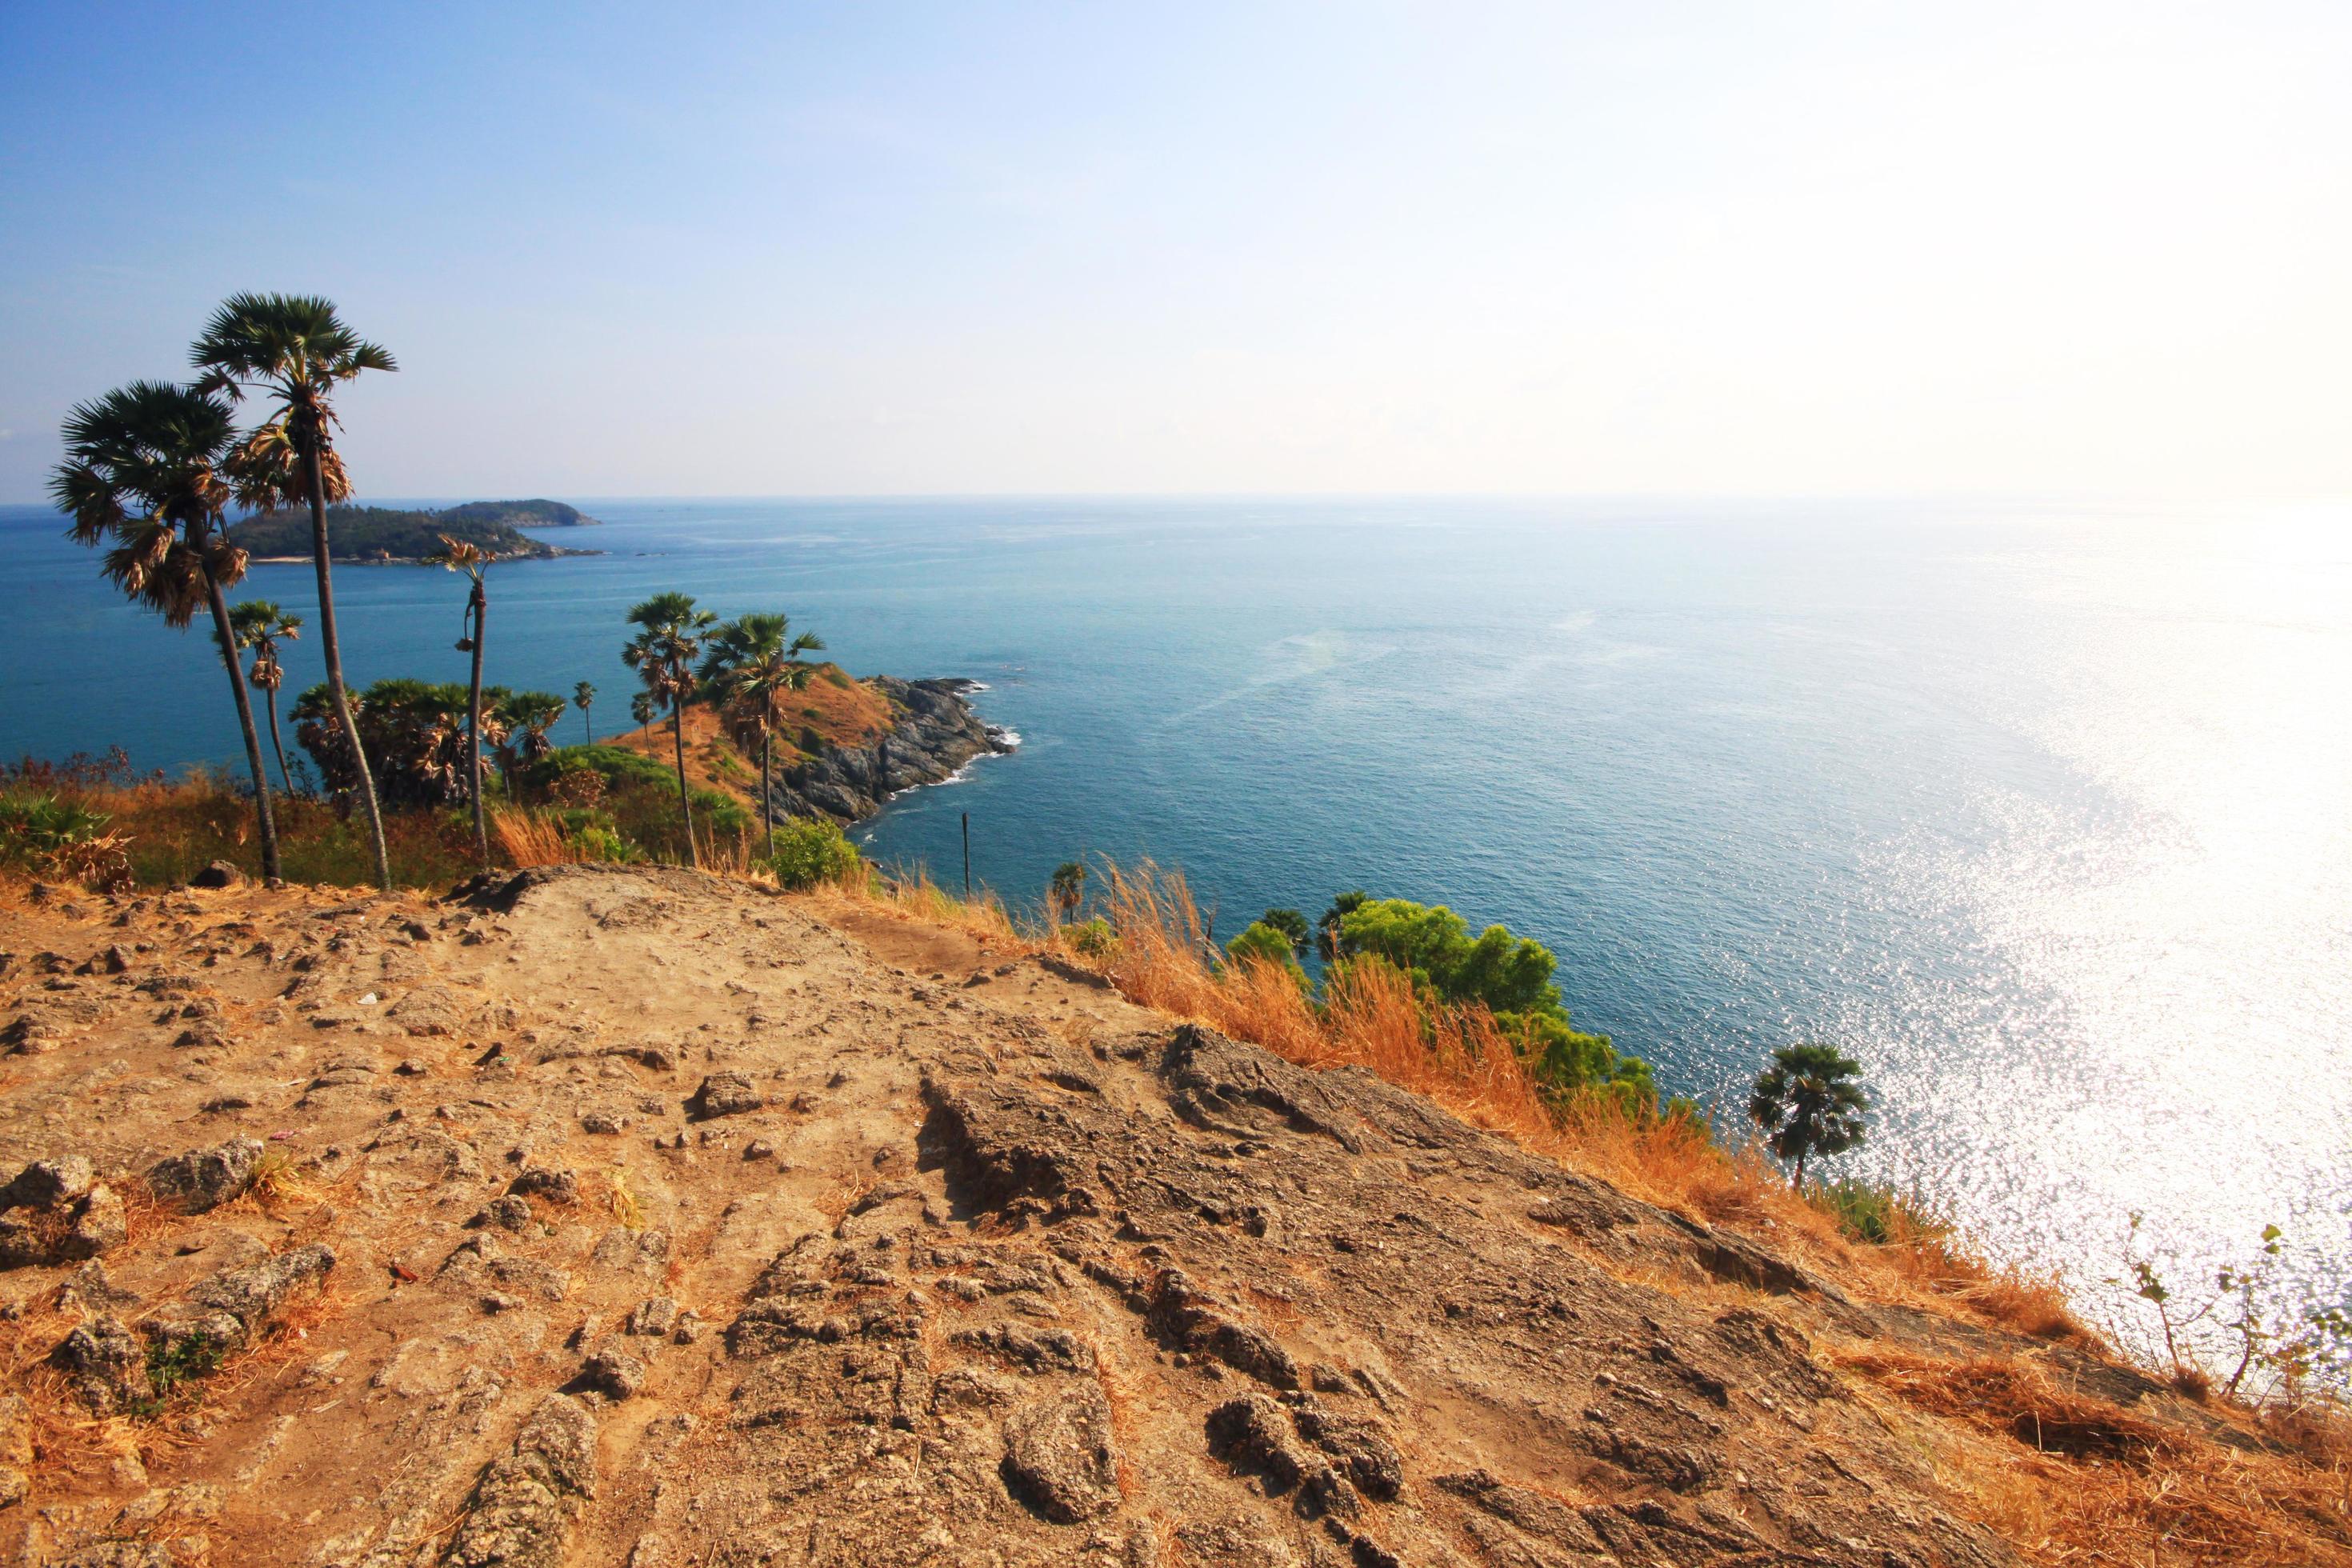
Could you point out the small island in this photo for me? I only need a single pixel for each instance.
(365, 534)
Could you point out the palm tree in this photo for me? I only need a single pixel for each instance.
(584, 697)
(526, 717)
(669, 638)
(297, 348)
(472, 559)
(1066, 891)
(1808, 1103)
(261, 625)
(752, 661)
(643, 709)
(143, 467)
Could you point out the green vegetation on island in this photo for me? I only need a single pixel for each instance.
(375, 533)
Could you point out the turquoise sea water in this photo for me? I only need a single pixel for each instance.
(2047, 815)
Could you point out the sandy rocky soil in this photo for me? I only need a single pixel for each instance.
(619, 1216)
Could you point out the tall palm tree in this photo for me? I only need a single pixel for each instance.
(261, 625)
(472, 559)
(752, 661)
(584, 697)
(143, 469)
(669, 639)
(297, 348)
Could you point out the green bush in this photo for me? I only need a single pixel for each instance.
(1091, 939)
(1262, 943)
(604, 844)
(35, 826)
(1509, 975)
(1876, 1215)
(810, 850)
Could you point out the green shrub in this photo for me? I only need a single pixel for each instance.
(810, 850)
(1091, 939)
(35, 826)
(1870, 1212)
(604, 844)
(173, 1361)
(1262, 943)
(1509, 975)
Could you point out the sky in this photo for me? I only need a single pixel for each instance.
(1779, 249)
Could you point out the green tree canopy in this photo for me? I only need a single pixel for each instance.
(1291, 923)
(1508, 975)
(1262, 943)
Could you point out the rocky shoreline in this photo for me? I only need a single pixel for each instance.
(936, 735)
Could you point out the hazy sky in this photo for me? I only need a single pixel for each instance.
(1777, 249)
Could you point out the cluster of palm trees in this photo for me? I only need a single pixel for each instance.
(746, 666)
(151, 468)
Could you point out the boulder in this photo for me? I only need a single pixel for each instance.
(204, 1179)
(521, 1513)
(44, 1183)
(107, 1364)
(724, 1094)
(1058, 1456)
(219, 874)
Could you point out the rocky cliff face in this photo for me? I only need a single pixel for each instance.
(936, 733)
(620, 1216)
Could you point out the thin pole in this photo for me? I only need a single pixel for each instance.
(966, 855)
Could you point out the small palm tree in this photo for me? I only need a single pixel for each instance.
(1067, 889)
(299, 349)
(669, 638)
(643, 709)
(584, 697)
(261, 625)
(525, 718)
(1328, 941)
(473, 561)
(143, 469)
(752, 661)
(1808, 1103)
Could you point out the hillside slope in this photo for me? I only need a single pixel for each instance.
(623, 1217)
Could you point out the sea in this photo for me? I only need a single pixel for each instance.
(2043, 812)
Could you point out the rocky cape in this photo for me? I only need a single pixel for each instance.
(936, 735)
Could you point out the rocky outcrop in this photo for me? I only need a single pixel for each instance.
(936, 733)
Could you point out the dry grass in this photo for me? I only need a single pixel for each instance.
(914, 895)
(2072, 1479)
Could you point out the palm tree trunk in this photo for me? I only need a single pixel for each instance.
(1801, 1170)
(685, 801)
(269, 868)
(480, 605)
(588, 727)
(767, 801)
(332, 644)
(277, 745)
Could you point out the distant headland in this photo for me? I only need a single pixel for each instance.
(362, 534)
